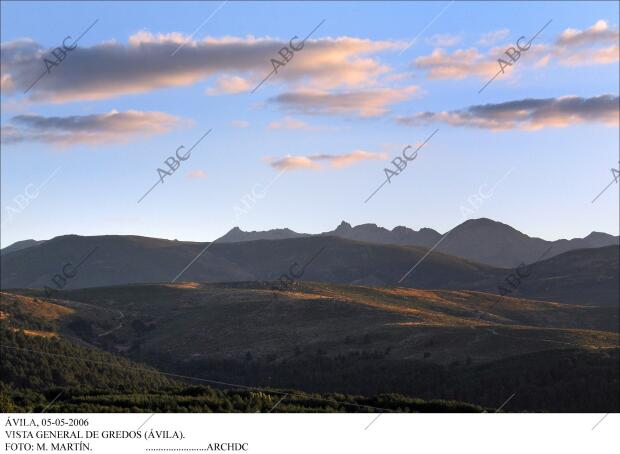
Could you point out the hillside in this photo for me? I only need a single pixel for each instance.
(584, 276)
(126, 259)
(588, 276)
(355, 339)
(43, 368)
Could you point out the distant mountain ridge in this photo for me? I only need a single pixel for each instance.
(19, 245)
(584, 276)
(236, 235)
(478, 240)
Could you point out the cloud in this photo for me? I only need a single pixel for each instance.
(145, 64)
(456, 65)
(294, 162)
(240, 123)
(196, 174)
(226, 85)
(289, 123)
(596, 45)
(92, 129)
(584, 48)
(528, 114)
(597, 34)
(602, 56)
(446, 40)
(491, 38)
(363, 103)
(334, 161)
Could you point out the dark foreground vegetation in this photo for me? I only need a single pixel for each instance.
(36, 370)
(569, 380)
(48, 361)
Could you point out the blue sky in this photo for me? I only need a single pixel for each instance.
(321, 130)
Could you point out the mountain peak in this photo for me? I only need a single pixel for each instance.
(237, 235)
(19, 245)
(344, 226)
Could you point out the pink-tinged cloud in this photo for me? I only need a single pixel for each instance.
(145, 64)
(492, 38)
(597, 45)
(362, 103)
(599, 33)
(227, 85)
(456, 65)
(528, 114)
(289, 123)
(240, 124)
(313, 162)
(196, 174)
(113, 126)
(444, 40)
(294, 163)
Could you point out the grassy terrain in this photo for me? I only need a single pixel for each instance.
(43, 369)
(448, 345)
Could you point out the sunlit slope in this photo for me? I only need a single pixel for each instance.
(229, 321)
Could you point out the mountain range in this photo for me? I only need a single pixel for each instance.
(477, 240)
(481, 240)
(466, 317)
(582, 276)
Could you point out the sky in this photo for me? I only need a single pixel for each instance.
(349, 86)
